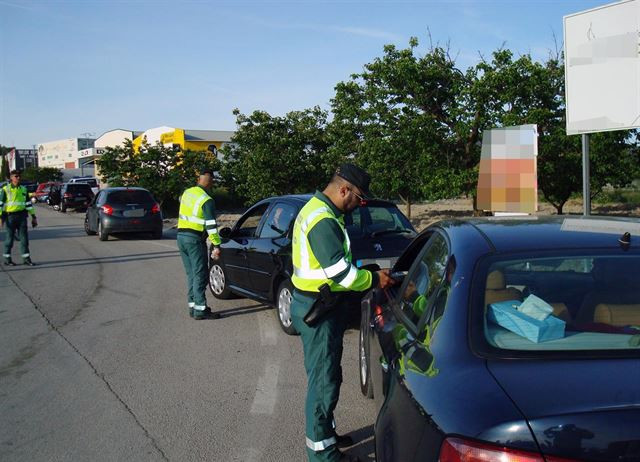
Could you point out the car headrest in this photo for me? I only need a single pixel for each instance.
(495, 280)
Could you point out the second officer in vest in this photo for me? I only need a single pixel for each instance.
(196, 222)
(323, 271)
(15, 206)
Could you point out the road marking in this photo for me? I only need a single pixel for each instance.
(174, 247)
(268, 335)
(266, 390)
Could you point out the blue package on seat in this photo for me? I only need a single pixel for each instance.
(506, 315)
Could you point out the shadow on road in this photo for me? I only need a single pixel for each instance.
(365, 444)
(96, 260)
(243, 310)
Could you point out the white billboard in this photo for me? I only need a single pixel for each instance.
(602, 68)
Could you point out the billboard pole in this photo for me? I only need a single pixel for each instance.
(586, 190)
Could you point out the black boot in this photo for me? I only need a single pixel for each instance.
(9, 262)
(27, 261)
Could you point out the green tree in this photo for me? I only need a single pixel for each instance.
(394, 118)
(272, 155)
(164, 171)
(42, 174)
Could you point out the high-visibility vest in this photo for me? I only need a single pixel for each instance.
(16, 199)
(308, 273)
(191, 215)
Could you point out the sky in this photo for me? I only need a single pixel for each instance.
(69, 68)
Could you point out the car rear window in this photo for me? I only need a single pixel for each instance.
(131, 196)
(563, 303)
(78, 187)
(375, 220)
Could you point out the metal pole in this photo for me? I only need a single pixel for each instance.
(586, 190)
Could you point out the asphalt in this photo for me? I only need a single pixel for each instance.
(100, 361)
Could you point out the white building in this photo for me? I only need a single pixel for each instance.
(62, 153)
(114, 138)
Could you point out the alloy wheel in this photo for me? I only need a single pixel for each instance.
(216, 279)
(284, 306)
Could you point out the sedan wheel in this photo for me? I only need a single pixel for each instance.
(283, 303)
(366, 387)
(218, 282)
(102, 233)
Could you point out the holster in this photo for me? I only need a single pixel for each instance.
(324, 304)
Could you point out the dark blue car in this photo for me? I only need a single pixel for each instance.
(508, 340)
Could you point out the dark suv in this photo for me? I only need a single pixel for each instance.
(75, 196)
(256, 252)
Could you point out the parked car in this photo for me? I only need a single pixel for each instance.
(42, 191)
(123, 210)
(461, 372)
(75, 196)
(256, 252)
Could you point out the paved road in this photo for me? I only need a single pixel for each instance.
(100, 361)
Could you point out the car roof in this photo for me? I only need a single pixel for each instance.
(124, 188)
(512, 234)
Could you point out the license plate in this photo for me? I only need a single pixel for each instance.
(133, 213)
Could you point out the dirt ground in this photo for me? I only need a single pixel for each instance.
(424, 214)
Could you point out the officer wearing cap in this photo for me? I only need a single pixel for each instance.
(196, 223)
(322, 263)
(14, 207)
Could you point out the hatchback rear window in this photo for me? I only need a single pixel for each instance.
(375, 220)
(131, 196)
(588, 302)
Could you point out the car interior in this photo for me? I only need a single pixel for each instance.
(595, 297)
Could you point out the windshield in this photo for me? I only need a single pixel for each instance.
(375, 220)
(587, 302)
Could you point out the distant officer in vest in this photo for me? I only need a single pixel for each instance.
(196, 223)
(322, 263)
(15, 206)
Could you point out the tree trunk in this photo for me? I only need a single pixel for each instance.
(407, 202)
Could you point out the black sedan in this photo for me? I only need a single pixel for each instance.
(256, 252)
(123, 210)
(508, 340)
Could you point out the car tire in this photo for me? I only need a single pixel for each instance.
(364, 363)
(218, 281)
(87, 229)
(102, 233)
(283, 307)
(63, 208)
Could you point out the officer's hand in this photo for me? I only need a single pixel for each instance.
(384, 280)
(215, 252)
(34, 222)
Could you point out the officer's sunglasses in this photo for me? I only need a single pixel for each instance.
(362, 199)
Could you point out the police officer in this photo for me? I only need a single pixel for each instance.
(15, 206)
(322, 258)
(197, 220)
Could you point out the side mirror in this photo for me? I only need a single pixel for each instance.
(225, 232)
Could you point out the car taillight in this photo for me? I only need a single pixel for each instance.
(460, 450)
(68, 195)
(155, 208)
(107, 209)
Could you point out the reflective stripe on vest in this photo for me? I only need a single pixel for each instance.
(16, 199)
(308, 274)
(191, 215)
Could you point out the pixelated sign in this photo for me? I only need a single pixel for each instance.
(507, 180)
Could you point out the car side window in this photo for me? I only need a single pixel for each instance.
(424, 279)
(248, 224)
(278, 221)
(353, 223)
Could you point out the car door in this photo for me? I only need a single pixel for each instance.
(268, 252)
(406, 355)
(241, 238)
(93, 213)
